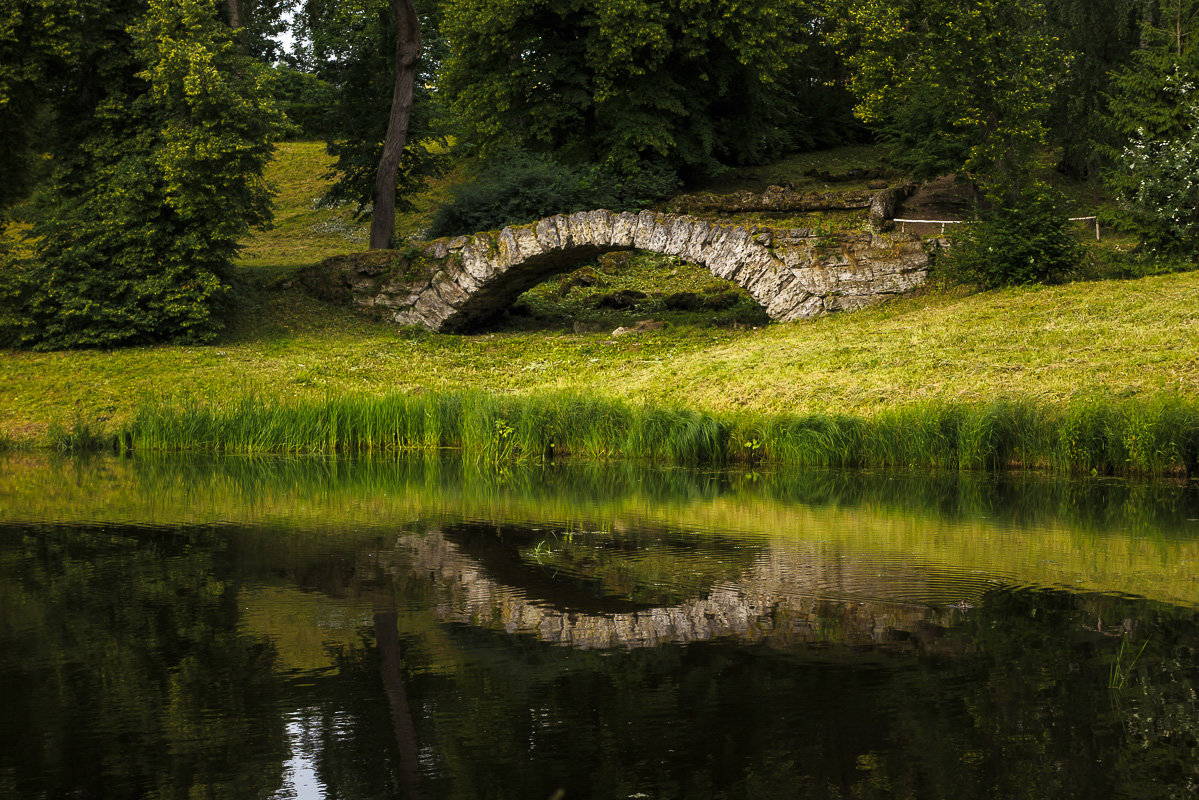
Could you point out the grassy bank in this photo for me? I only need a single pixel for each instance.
(937, 360)
(1104, 342)
(1155, 438)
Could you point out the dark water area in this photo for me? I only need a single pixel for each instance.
(241, 628)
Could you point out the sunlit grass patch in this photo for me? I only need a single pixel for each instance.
(305, 231)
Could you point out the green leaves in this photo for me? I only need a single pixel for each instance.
(692, 85)
(165, 179)
(1159, 185)
(1022, 242)
(1156, 108)
(217, 118)
(955, 87)
(521, 188)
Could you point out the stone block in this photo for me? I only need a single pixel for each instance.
(599, 225)
(548, 236)
(624, 229)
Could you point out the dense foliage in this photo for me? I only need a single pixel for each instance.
(306, 100)
(159, 174)
(258, 25)
(955, 87)
(521, 188)
(1156, 114)
(1100, 37)
(1023, 242)
(690, 85)
(1160, 182)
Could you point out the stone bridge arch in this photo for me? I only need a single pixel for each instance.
(462, 282)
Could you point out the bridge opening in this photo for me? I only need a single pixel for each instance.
(592, 571)
(621, 288)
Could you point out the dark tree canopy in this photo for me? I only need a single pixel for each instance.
(695, 85)
(955, 87)
(1100, 37)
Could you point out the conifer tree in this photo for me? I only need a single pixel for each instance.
(163, 131)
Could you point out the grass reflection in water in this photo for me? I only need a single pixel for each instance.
(167, 626)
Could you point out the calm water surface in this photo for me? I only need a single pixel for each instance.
(234, 628)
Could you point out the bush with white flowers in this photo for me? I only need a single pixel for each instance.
(1160, 189)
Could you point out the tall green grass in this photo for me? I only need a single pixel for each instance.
(80, 438)
(1155, 437)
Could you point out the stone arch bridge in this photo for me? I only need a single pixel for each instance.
(459, 283)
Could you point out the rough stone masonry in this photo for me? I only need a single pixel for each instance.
(460, 283)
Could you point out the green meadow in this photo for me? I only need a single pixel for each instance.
(1115, 357)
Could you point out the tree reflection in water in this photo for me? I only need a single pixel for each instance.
(170, 661)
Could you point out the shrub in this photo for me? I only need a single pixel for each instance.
(523, 187)
(1018, 242)
(147, 213)
(1159, 189)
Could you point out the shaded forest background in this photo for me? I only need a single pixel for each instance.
(137, 131)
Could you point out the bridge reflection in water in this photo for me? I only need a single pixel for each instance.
(774, 593)
(353, 637)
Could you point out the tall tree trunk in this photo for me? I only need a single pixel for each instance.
(407, 56)
(1178, 28)
(234, 7)
(387, 640)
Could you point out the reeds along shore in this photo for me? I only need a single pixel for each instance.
(1157, 437)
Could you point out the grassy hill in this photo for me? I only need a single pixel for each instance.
(1115, 339)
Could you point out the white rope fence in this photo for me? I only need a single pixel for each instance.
(944, 222)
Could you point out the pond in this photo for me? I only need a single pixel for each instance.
(436, 628)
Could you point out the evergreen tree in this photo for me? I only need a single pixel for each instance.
(161, 146)
(1148, 94)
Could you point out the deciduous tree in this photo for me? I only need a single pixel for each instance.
(358, 47)
(407, 56)
(956, 87)
(693, 84)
